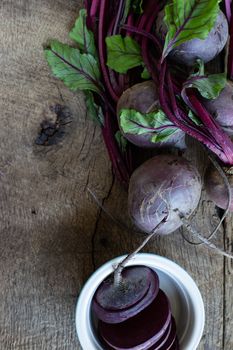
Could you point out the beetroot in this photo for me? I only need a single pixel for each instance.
(222, 108)
(176, 345)
(117, 303)
(127, 294)
(206, 50)
(141, 331)
(216, 188)
(163, 339)
(160, 187)
(171, 339)
(143, 98)
(168, 341)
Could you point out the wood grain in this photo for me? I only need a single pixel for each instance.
(47, 221)
(52, 233)
(228, 286)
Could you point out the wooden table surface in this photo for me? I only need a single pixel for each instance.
(52, 234)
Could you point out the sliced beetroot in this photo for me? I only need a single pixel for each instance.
(141, 331)
(168, 345)
(163, 339)
(157, 345)
(176, 345)
(135, 304)
(135, 284)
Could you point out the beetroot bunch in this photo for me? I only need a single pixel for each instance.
(142, 66)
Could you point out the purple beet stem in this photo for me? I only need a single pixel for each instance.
(112, 74)
(147, 22)
(228, 9)
(94, 7)
(220, 136)
(98, 9)
(145, 54)
(113, 150)
(224, 147)
(118, 17)
(102, 53)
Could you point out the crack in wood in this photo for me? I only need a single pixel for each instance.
(97, 224)
(87, 182)
(60, 93)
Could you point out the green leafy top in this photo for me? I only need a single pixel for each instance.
(188, 19)
(156, 123)
(195, 119)
(123, 53)
(209, 86)
(82, 35)
(78, 71)
(94, 111)
(78, 67)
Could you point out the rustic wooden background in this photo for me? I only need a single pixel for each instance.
(52, 234)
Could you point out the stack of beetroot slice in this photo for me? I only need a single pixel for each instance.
(135, 314)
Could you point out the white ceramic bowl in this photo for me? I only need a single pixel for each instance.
(183, 293)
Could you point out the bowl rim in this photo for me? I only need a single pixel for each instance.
(84, 329)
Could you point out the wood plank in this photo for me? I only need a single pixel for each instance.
(46, 219)
(228, 287)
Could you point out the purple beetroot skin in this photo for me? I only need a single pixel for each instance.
(143, 97)
(163, 187)
(216, 188)
(163, 339)
(171, 339)
(222, 108)
(176, 345)
(141, 331)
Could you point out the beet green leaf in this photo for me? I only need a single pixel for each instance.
(188, 19)
(123, 53)
(77, 71)
(194, 118)
(82, 35)
(95, 112)
(156, 123)
(209, 86)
